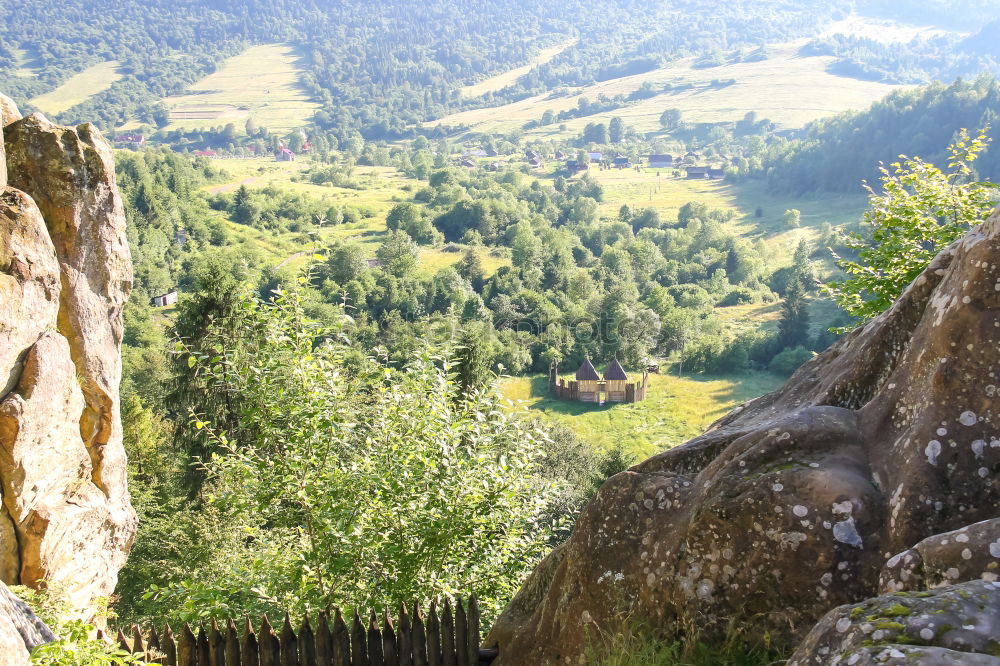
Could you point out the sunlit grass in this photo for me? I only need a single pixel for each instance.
(79, 88)
(675, 410)
(261, 83)
(789, 89)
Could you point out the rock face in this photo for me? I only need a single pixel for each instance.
(65, 274)
(957, 624)
(20, 630)
(791, 505)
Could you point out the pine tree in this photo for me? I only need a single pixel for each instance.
(793, 329)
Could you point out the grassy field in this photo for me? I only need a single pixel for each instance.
(675, 410)
(261, 83)
(788, 89)
(501, 81)
(78, 88)
(382, 188)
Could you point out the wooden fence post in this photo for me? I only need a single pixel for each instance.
(448, 635)
(473, 617)
(249, 647)
(433, 637)
(341, 640)
(404, 638)
(374, 642)
(232, 645)
(324, 646)
(216, 646)
(288, 648)
(461, 636)
(419, 638)
(270, 648)
(169, 648)
(204, 653)
(359, 643)
(153, 647)
(390, 646)
(185, 647)
(307, 643)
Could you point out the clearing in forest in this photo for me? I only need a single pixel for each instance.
(78, 88)
(262, 83)
(501, 81)
(787, 88)
(675, 409)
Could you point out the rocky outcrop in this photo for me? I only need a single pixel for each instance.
(65, 273)
(20, 630)
(957, 624)
(791, 505)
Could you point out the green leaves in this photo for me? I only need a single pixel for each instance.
(920, 212)
(391, 486)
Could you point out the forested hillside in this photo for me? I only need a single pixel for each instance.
(837, 154)
(374, 69)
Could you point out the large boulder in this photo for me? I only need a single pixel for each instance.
(20, 630)
(65, 274)
(957, 624)
(790, 505)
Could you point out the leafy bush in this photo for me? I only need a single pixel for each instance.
(786, 362)
(356, 484)
(920, 212)
(76, 641)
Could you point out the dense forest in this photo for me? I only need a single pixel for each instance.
(838, 153)
(355, 66)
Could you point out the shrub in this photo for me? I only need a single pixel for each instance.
(785, 363)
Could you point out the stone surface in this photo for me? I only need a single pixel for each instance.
(8, 109)
(791, 504)
(20, 630)
(957, 621)
(970, 553)
(65, 273)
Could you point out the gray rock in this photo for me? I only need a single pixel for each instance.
(20, 630)
(960, 619)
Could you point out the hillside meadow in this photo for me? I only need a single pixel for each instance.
(261, 84)
(787, 88)
(78, 88)
(675, 410)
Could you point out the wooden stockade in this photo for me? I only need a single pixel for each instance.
(445, 638)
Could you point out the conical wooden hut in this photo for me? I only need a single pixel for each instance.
(615, 380)
(587, 381)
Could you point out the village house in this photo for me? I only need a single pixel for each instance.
(205, 153)
(467, 163)
(622, 162)
(696, 172)
(284, 155)
(129, 141)
(661, 161)
(536, 162)
(163, 300)
(574, 166)
(595, 157)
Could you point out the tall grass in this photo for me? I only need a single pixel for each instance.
(635, 645)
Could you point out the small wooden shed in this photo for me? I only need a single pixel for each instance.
(615, 380)
(587, 381)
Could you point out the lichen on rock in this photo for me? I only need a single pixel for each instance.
(791, 505)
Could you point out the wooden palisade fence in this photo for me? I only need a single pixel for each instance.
(438, 638)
